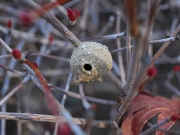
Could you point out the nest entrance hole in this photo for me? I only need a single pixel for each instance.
(87, 67)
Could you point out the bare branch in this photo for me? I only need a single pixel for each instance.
(119, 55)
(13, 91)
(160, 51)
(51, 118)
(172, 88)
(57, 24)
(134, 89)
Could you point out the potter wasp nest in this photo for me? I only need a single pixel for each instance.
(90, 62)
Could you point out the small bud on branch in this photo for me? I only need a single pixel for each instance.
(51, 38)
(9, 24)
(176, 68)
(71, 16)
(152, 72)
(16, 54)
(35, 64)
(175, 117)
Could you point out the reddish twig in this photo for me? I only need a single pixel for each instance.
(132, 18)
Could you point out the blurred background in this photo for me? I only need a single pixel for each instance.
(39, 41)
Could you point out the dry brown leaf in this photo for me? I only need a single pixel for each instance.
(145, 106)
(126, 126)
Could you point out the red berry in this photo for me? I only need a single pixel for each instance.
(71, 15)
(9, 24)
(64, 129)
(175, 117)
(16, 54)
(35, 64)
(51, 38)
(152, 72)
(176, 68)
(25, 17)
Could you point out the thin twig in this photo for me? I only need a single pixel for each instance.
(140, 47)
(117, 127)
(164, 130)
(75, 95)
(5, 56)
(5, 45)
(160, 51)
(128, 45)
(50, 118)
(108, 25)
(132, 18)
(66, 89)
(171, 39)
(107, 37)
(53, 103)
(57, 24)
(11, 70)
(134, 89)
(89, 111)
(83, 21)
(172, 88)
(13, 91)
(119, 54)
(155, 126)
(49, 56)
(16, 34)
(83, 98)
(116, 82)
